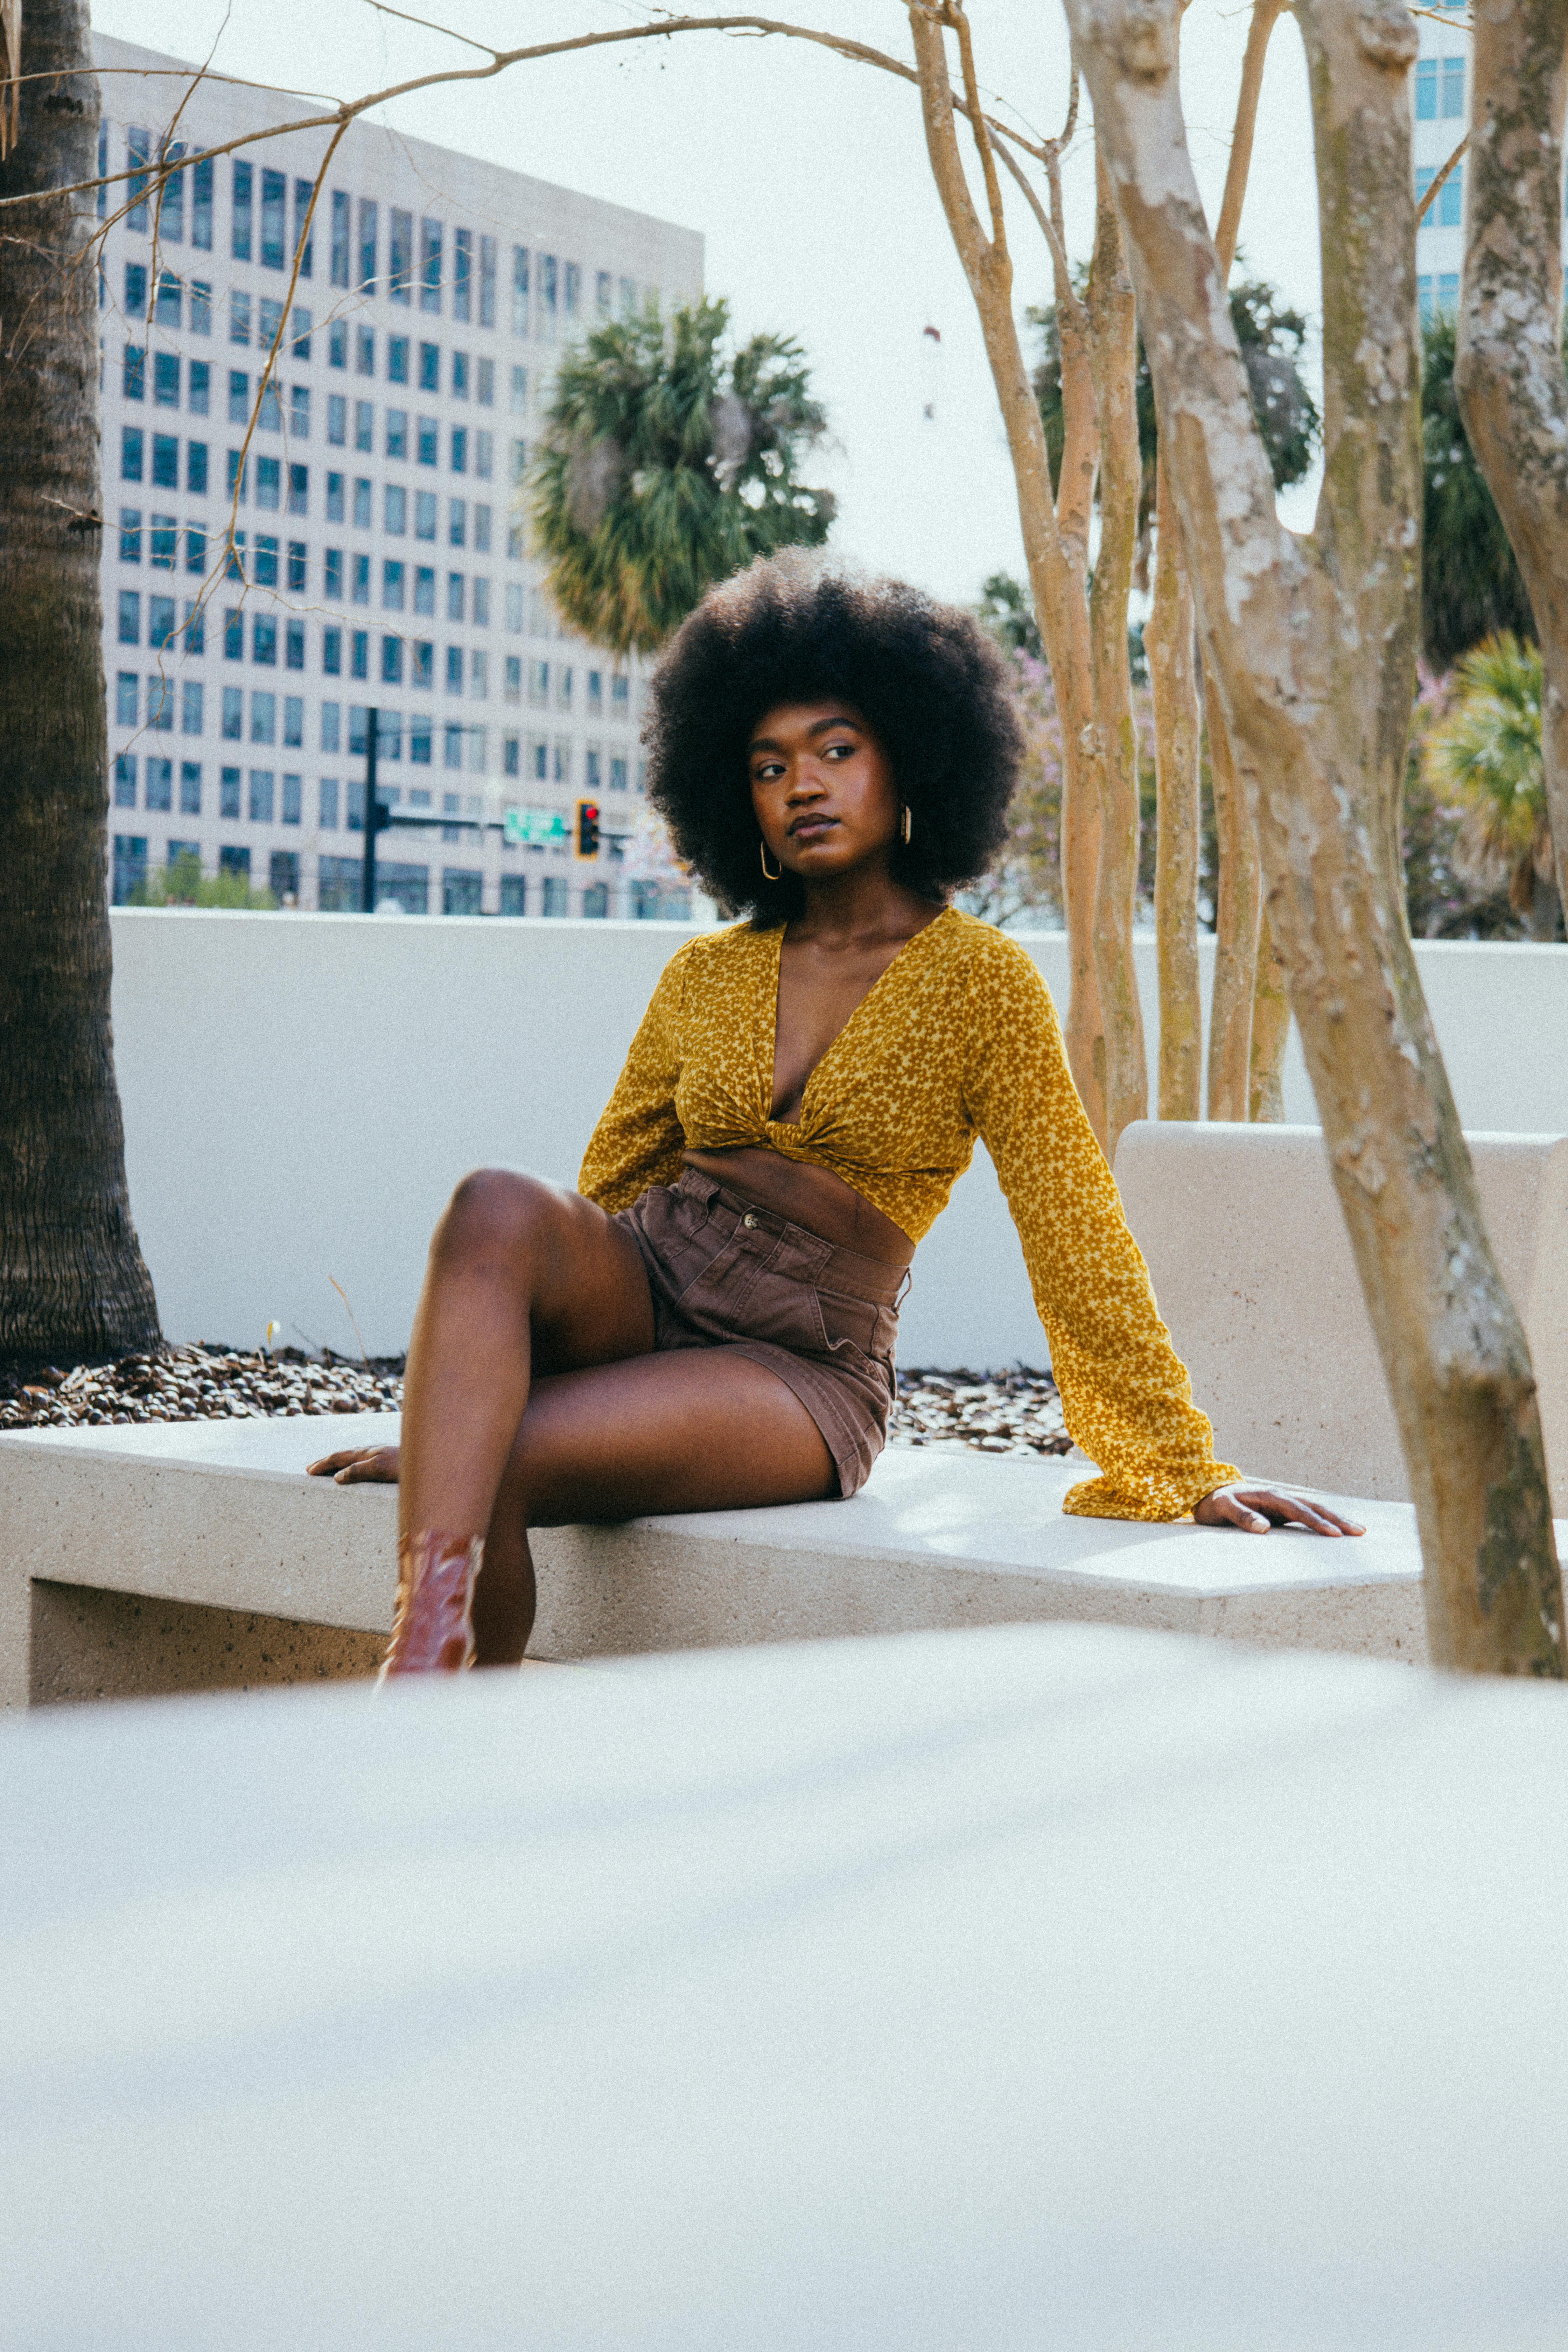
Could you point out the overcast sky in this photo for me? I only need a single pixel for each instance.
(808, 177)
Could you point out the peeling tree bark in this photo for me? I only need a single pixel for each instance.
(1113, 317)
(1237, 908)
(1173, 685)
(1270, 1032)
(1508, 373)
(1311, 645)
(72, 1280)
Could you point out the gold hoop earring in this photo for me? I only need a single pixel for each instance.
(763, 854)
(904, 826)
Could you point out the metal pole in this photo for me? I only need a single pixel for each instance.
(367, 876)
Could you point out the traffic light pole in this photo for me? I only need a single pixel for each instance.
(371, 815)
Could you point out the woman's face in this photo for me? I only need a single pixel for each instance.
(822, 788)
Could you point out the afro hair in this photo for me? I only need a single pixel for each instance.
(925, 676)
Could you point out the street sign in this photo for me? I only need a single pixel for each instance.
(531, 828)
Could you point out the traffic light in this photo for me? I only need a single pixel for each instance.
(587, 828)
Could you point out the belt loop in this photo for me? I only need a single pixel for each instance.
(904, 1288)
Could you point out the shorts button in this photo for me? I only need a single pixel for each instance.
(748, 1219)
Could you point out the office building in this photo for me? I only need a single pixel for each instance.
(1442, 102)
(378, 559)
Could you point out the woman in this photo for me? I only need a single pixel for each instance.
(709, 1322)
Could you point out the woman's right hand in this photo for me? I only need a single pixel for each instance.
(358, 1466)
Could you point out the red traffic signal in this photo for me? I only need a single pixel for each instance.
(587, 828)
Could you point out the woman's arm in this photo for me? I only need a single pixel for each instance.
(638, 1140)
(1125, 1393)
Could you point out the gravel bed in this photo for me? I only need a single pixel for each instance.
(997, 1412)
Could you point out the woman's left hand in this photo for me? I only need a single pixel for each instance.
(1256, 1510)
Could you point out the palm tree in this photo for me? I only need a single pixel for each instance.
(72, 1279)
(665, 469)
(1487, 753)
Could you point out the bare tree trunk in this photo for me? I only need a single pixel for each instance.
(1270, 1032)
(1312, 647)
(1058, 594)
(1174, 688)
(1509, 375)
(1114, 352)
(1237, 908)
(72, 1280)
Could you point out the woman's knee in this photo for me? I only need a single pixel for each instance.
(495, 1211)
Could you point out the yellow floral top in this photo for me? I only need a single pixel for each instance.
(957, 1038)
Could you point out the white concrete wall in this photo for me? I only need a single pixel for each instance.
(301, 1092)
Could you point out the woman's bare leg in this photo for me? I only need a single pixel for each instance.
(698, 1429)
(518, 1270)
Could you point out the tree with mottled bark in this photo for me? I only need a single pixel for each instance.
(1310, 644)
(1508, 374)
(73, 1285)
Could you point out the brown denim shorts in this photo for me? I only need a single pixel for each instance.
(727, 1273)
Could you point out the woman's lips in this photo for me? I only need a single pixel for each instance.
(811, 828)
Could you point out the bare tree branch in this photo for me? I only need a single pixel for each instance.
(1430, 196)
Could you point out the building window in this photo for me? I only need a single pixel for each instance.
(263, 718)
(364, 425)
(429, 367)
(201, 313)
(297, 567)
(235, 861)
(269, 407)
(554, 895)
(397, 433)
(129, 864)
(460, 449)
(400, 258)
(299, 411)
(359, 654)
(573, 291)
(365, 350)
(419, 727)
(1450, 204)
(462, 273)
(302, 239)
(456, 584)
(133, 373)
(538, 684)
(195, 628)
(330, 715)
(196, 468)
(162, 542)
(547, 297)
(513, 678)
(165, 380)
(201, 207)
(265, 562)
(130, 617)
(160, 786)
(138, 148)
(519, 289)
(452, 747)
(341, 238)
(617, 774)
(238, 317)
(283, 871)
(228, 793)
(332, 652)
(603, 292)
(484, 455)
(1453, 90)
(424, 513)
(394, 509)
(426, 444)
(391, 586)
(273, 228)
(487, 281)
(233, 726)
(425, 589)
(359, 591)
(510, 756)
(238, 474)
(232, 633)
(261, 794)
(131, 453)
(485, 383)
(125, 777)
(298, 490)
(190, 788)
(362, 503)
(338, 344)
(514, 894)
(454, 670)
(127, 690)
(294, 645)
(429, 265)
(239, 397)
(190, 708)
(293, 797)
(332, 574)
(421, 674)
(337, 420)
(367, 244)
(240, 218)
(481, 604)
(165, 461)
(264, 639)
(160, 716)
(327, 804)
(478, 676)
(457, 523)
(268, 483)
(130, 534)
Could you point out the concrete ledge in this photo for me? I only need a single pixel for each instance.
(215, 1522)
(1252, 1267)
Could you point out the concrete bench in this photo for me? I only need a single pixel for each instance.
(1252, 1267)
(194, 1554)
